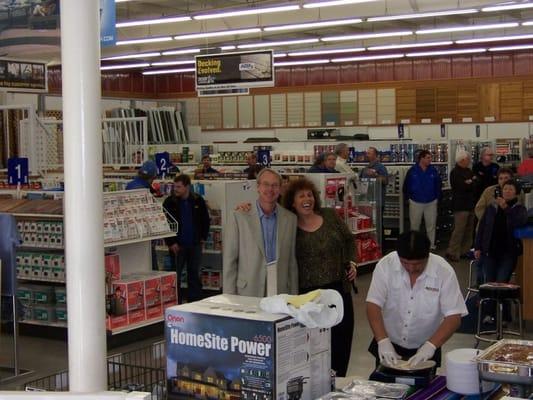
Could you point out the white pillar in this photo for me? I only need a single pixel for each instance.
(80, 58)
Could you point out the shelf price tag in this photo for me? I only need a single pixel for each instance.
(17, 171)
(162, 161)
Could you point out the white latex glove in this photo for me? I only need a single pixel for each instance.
(387, 353)
(424, 353)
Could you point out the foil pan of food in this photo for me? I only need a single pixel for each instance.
(345, 396)
(376, 389)
(507, 361)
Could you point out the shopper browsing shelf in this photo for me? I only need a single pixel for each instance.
(205, 167)
(263, 235)
(343, 152)
(485, 171)
(375, 169)
(190, 211)
(525, 169)
(145, 176)
(324, 163)
(253, 167)
(414, 303)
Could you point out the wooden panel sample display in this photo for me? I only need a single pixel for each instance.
(511, 101)
(349, 107)
(312, 107)
(446, 103)
(528, 99)
(330, 108)
(210, 112)
(489, 99)
(386, 106)
(262, 111)
(295, 109)
(192, 111)
(278, 110)
(467, 102)
(246, 112)
(406, 104)
(229, 112)
(425, 104)
(367, 106)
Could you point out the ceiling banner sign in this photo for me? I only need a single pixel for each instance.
(108, 30)
(235, 70)
(23, 76)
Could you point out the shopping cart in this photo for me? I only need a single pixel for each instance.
(141, 370)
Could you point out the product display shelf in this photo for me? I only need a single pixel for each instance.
(45, 323)
(132, 327)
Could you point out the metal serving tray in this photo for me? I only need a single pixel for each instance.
(505, 371)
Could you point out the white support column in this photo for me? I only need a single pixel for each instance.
(80, 57)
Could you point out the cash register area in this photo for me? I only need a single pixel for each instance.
(46, 356)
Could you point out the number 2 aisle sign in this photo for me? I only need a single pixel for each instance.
(17, 171)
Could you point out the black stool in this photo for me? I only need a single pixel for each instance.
(499, 293)
(472, 287)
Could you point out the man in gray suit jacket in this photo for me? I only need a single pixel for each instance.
(260, 236)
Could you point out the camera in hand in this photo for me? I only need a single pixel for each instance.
(497, 193)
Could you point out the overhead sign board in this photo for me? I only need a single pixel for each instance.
(23, 76)
(235, 70)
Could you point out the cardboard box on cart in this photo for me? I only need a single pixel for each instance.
(226, 347)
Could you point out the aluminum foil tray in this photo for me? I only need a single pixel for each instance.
(376, 389)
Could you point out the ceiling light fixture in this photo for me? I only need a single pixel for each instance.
(152, 21)
(169, 71)
(366, 36)
(228, 48)
(335, 3)
(124, 66)
(249, 11)
(280, 55)
(320, 52)
(410, 45)
(145, 40)
(182, 51)
(507, 7)
(128, 56)
(445, 52)
(273, 44)
(168, 63)
(527, 23)
(493, 39)
(517, 47)
(319, 24)
(421, 15)
(368, 58)
(203, 35)
(468, 28)
(307, 62)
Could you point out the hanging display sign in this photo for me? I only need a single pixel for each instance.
(23, 76)
(108, 30)
(234, 70)
(17, 171)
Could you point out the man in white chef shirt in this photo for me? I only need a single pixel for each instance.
(414, 304)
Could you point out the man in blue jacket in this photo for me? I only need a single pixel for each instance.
(145, 176)
(422, 188)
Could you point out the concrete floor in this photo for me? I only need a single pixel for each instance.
(45, 356)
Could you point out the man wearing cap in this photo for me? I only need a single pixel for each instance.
(145, 176)
(414, 303)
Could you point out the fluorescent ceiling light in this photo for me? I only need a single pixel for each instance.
(145, 40)
(319, 24)
(125, 57)
(124, 66)
(152, 21)
(183, 51)
(335, 3)
(366, 36)
(507, 7)
(167, 63)
(169, 71)
(281, 43)
(203, 35)
(319, 52)
(410, 45)
(445, 52)
(468, 28)
(421, 15)
(493, 39)
(517, 47)
(249, 11)
(228, 48)
(280, 55)
(121, 1)
(527, 23)
(307, 62)
(368, 58)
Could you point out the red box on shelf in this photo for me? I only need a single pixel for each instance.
(112, 267)
(136, 316)
(168, 287)
(152, 290)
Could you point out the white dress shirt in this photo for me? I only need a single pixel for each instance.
(412, 315)
(342, 166)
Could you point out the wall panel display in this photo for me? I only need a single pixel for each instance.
(405, 104)
(367, 107)
(467, 102)
(210, 112)
(229, 112)
(511, 101)
(330, 108)
(348, 107)
(425, 104)
(528, 99)
(489, 100)
(246, 112)
(312, 107)
(278, 110)
(386, 106)
(192, 111)
(262, 111)
(295, 109)
(446, 103)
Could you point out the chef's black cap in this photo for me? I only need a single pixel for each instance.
(413, 245)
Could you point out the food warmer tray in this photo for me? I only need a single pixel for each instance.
(495, 370)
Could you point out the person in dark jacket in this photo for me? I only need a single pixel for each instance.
(485, 172)
(253, 167)
(190, 211)
(462, 183)
(495, 244)
(324, 163)
(145, 176)
(422, 188)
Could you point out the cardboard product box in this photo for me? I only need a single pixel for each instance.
(112, 267)
(152, 296)
(132, 290)
(168, 287)
(116, 306)
(136, 316)
(226, 347)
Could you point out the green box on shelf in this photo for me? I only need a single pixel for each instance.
(43, 295)
(24, 294)
(61, 314)
(44, 313)
(46, 272)
(61, 295)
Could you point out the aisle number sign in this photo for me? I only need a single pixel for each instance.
(17, 171)
(162, 161)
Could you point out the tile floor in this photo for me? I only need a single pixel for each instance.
(45, 356)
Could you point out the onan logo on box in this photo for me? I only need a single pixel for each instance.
(175, 318)
(246, 66)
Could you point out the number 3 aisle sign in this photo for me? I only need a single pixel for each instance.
(17, 171)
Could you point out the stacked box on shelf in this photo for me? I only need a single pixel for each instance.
(41, 233)
(40, 266)
(41, 303)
